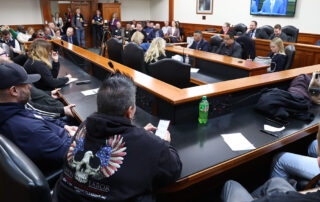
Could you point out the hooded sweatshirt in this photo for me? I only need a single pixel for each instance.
(112, 160)
(42, 139)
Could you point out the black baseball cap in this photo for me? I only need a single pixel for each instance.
(12, 74)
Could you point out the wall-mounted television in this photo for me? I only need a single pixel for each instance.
(273, 7)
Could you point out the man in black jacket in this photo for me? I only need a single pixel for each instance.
(277, 32)
(230, 47)
(70, 38)
(112, 160)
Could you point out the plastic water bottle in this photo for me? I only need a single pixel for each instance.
(187, 59)
(203, 110)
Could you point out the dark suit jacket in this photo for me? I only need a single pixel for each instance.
(203, 45)
(144, 34)
(74, 40)
(236, 50)
(152, 34)
(282, 36)
(278, 61)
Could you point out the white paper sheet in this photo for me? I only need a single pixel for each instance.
(273, 129)
(237, 142)
(195, 70)
(90, 92)
(72, 80)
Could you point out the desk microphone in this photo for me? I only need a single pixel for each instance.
(110, 65)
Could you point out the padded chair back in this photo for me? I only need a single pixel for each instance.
(290, 51)
(240, 29)
(292, 33)
(115, 50)
(215, 42)
(264, 32)
(171, 71)
(21, 180)
(133, 56)
(248, 47)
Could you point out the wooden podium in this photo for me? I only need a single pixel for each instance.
(108, 9)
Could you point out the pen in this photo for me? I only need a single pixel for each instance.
(269, 133)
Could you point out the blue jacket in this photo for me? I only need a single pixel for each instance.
(203, 45)
(152, 34)
(42, 139)
(280, 7)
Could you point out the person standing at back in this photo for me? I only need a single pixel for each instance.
(113, 21)
(110, 159)
(97, 23)
(78, 23)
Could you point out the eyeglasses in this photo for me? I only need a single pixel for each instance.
(4, 53)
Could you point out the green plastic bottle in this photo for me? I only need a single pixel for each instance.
(203, 110)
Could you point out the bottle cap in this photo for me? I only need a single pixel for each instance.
(204, 97)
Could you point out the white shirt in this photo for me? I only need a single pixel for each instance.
(22, 38)
(272, 2)
(173, 29)
(165, 29)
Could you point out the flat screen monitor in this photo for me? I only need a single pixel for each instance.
(273, 7)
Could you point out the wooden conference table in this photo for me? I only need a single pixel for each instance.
(202, 150)
(215, 68)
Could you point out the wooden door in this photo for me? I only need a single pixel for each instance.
(109, 8)
(63, 9)
(86, 12)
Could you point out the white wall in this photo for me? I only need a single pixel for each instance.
(18, 12)
(159, 10)
(235, 11)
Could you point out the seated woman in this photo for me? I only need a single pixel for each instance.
(277, 55)
(174, 33)
(156, 51)
(138, 38)
(39, 63)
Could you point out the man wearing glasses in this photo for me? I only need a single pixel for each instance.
(230, 47)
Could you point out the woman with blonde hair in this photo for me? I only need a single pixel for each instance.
(138, 38)
(39, 62)
(277, 55)
(156, 51)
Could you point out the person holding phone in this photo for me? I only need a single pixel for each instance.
(122, 156)
(79, 23)
(39, 63)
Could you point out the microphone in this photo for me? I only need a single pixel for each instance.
(110, 65)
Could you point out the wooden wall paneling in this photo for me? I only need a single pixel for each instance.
(308, 38)
(35, 27)
(109, 8)
(63, 9)
(171, 10)
(46, 11)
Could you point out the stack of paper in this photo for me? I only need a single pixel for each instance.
(72, 80)
(237, 142)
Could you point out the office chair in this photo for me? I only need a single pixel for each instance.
(215, 42)
(171, 71)
(292, 33)
(115, 50)
(133, 57)
(290, 51)
(264, 32)
(21, 180)
(240, 29)
(248, 47)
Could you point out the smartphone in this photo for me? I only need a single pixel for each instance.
(162, 128)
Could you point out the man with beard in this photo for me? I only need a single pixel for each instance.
(42, 139)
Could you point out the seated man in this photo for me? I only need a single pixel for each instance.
(47, 33)
(274, 7)
(230, 47)
(140, 29)
(251, 31)
(165, 27)
(148, 29)
(127, 32)
(118, 31)
(110, 159)
(69, 37)
(276, 189)
(52, 27)
(44, 140)
(12, 44)
(199, 42)
(277, 32)
(156, 32)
